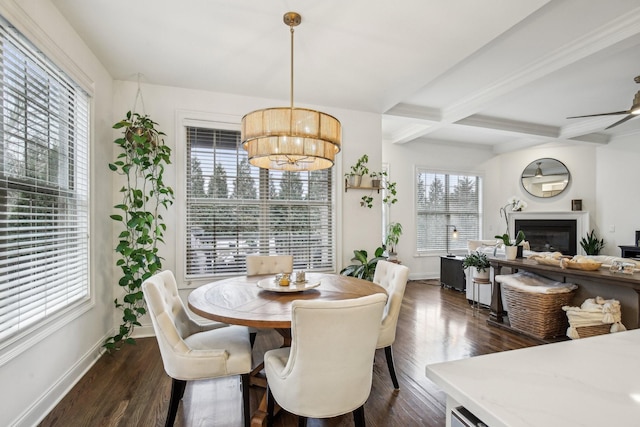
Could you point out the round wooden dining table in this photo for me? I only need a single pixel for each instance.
(240, 301)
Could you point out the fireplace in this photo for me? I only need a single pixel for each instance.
(581, 219)
(550, 235)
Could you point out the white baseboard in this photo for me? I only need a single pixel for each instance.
(35, 413)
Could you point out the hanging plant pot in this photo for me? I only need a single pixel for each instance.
(375, 183)
(139, 136)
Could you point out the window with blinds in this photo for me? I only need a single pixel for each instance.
(235, 209)
(44, 220)
(444, 200)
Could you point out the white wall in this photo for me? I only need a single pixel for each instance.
(36, 376)
(618, 204)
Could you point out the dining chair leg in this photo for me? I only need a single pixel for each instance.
(358, 416)
(245, 384)
(392, 370)
(270, 407)
(302, 421)
(177, 391)
(252, 338)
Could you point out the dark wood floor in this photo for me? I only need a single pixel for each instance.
(130, 388)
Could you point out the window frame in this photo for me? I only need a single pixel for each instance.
(185, 119)
(79, 175)
(460, 245)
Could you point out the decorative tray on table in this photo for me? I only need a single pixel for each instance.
(270, 284)
(554, 260)
(547, 261)
(586, 266)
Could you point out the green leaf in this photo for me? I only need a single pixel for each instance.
(360, 255)
(116, 217)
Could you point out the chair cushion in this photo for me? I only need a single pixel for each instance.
(229, 345)
(393, 277)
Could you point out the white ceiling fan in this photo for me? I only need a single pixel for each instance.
(630, 113)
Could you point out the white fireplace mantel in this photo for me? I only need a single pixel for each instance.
(581, 217)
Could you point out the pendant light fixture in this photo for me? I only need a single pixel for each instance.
(289, 138)
(538, 173)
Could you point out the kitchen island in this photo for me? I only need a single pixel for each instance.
(588, 382)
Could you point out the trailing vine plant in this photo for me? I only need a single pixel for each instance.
(141, 162)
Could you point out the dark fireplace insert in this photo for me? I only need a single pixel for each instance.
(549, 235)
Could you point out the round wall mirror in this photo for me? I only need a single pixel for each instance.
(545, 177)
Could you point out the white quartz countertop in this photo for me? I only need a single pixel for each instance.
(587, 382)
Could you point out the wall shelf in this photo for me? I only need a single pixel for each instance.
(347, 186)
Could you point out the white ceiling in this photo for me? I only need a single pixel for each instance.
(502, 73)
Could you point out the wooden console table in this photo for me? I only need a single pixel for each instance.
(603, 277)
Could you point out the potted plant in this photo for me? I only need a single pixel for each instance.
(141, 163)
(364, 269)
(479, 262)
(394, 231)
(381, 180)
(511, 249)
(506, 240)
(358, 171)
(591, 244)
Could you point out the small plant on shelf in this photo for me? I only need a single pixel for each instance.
(389, 187)
(358, 171)
(591, 244)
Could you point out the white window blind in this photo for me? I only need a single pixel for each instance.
(234, 209)
(444, 199)
(43, 187)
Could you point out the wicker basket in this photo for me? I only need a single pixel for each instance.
(536, 314)
(592, 331)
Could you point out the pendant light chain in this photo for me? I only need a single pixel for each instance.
(291, 67)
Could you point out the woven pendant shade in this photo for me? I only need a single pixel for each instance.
(289, 139)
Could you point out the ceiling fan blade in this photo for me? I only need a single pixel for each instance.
(629, 117)
(602, 114)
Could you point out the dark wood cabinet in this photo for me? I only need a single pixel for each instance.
(629, 251)
(451, 273)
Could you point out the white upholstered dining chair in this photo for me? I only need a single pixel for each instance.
(269, 264)
(393, 277)
(259, 265)
(327, 371)
(191, 351)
